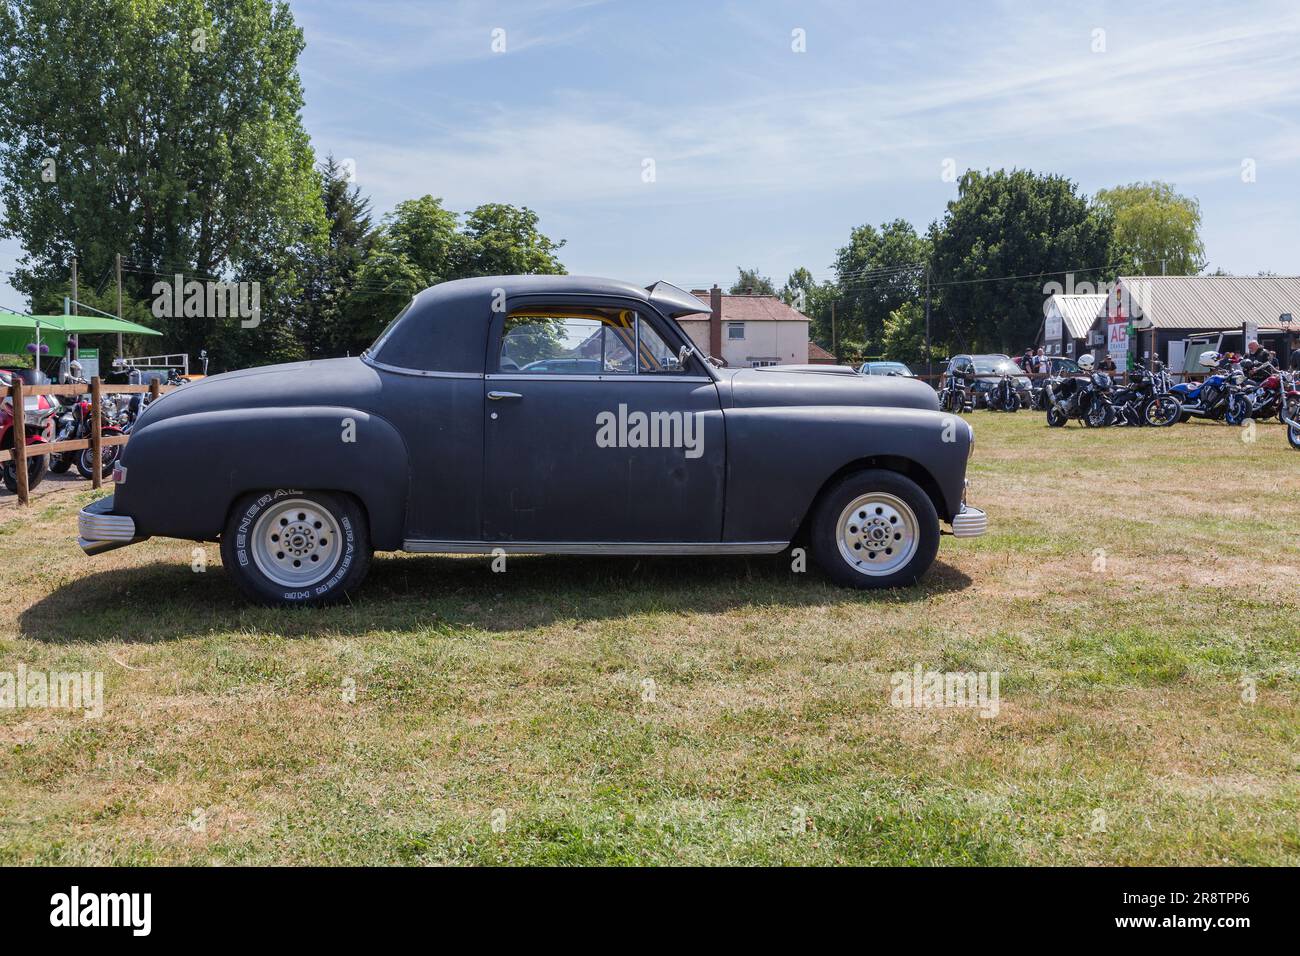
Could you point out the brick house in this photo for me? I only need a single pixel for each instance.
(749, 330)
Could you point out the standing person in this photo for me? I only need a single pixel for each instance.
(1107, 364)
(1042, 364)
(1026, 360)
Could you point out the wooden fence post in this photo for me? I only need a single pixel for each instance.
(20, 439)
(95, 434)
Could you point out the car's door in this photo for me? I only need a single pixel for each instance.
(628, 448)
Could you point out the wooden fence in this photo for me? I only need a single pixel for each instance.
(96, 442)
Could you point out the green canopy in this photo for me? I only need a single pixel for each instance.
(17, 331)
(74, 324)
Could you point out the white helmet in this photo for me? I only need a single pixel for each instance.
(1209, 359)
(1086, 362)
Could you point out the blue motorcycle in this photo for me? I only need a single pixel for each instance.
(1217, 398)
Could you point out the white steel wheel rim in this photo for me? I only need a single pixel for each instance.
(877, 533)
(296, 543)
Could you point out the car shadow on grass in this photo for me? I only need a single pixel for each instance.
(164, 601)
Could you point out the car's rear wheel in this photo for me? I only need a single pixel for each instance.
(875, 529)
(296, 547)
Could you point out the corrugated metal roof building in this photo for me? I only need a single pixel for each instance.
(1211, 302)
(1168, 310)
(1067, 321)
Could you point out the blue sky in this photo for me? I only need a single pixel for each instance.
(767, 157)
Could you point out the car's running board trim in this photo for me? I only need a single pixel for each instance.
(418, 546)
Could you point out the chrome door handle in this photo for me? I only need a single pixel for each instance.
(502, 396)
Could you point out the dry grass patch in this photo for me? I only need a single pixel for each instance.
(697, 711)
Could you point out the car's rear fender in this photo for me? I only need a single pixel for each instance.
(184, 472)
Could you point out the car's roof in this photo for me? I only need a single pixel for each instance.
(445, 327)
(668, 297)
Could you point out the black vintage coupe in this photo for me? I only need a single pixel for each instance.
(539, 414)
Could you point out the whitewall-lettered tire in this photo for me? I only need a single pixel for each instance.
(296, 547)
(875, 529)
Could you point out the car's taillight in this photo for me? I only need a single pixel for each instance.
(119, 473)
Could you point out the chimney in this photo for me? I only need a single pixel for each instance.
(715, 321)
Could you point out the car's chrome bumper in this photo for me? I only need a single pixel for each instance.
(99, 530)
(969, 523)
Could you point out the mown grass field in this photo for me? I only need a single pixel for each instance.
(507, 718)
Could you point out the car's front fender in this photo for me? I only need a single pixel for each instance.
(778, 459)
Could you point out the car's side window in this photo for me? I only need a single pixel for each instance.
(547, 340)
(572, 342)
(657, 357)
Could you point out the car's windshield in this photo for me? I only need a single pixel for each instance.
(994, 365)
(884, 368)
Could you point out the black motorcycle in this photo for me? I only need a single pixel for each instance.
(1147, 399)
(1003, 397)
(1087, 399)
(954, 395)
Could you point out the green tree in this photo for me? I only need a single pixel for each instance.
(1000, 241)
(903, 337)
(331, 271)
(1157, 230)
(500, 239)
(421, 243)
(749, 280)
(877, 272)
(804, 293)
(169, 131)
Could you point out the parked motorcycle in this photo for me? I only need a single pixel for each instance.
(1003, 396)
(38, 429)
(1265, 390)
(1147, 399)
(1220, 397)
(954, 396)
(76, 423)
(1087, 399)
(1289, 407)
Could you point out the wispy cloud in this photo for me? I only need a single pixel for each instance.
(404, 36)
(1012, 96)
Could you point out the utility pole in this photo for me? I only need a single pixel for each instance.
(119, 302)
(74, 312)
(835, 351)
(929, 362)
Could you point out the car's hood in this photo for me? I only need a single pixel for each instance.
(751, 387)
(347, 382)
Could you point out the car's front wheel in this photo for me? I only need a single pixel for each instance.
(296, 547)
(875, 529)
